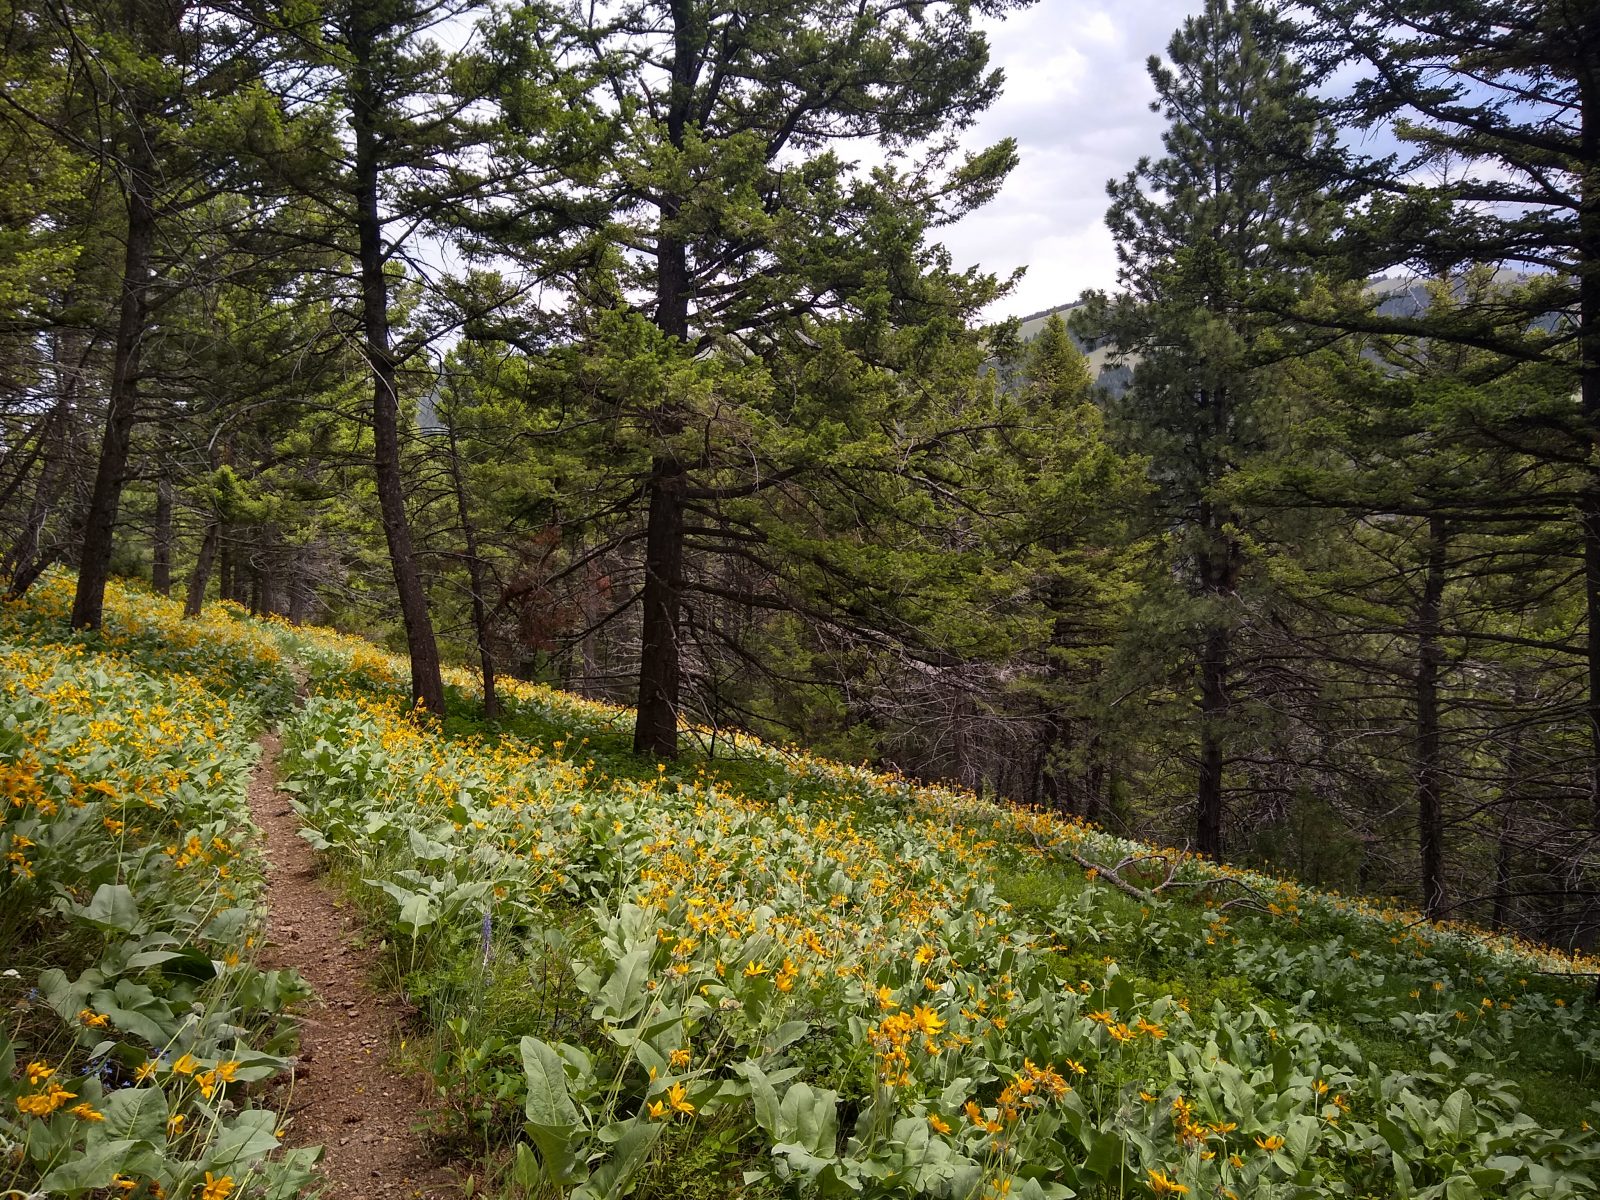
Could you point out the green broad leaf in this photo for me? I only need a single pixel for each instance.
(1119, 992)
(292, 1175)
(580, 1065)
(957, 1091)
(809, 1117)
(763, 1095)
(1487, 1177)
(623, 996)
(1299, 1136)
(1393, 1134)
(417, 913)
(553, 1119)
(615, 1177)
(94, 1169)
(314, 838)
(548, 1102)
(113, 907)
(1104, 1154)
(426, 849)
(152, 958)
(526, 1172)
(784, 1036)
(249, 1136)
(1459, 1115)
(1035, 1189)
(134, 1008)
(1507, 1164)
(929, 1161)
(1404, 1185)
(190, 964)
(136, 1114)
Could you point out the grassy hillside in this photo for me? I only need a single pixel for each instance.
(756, 972)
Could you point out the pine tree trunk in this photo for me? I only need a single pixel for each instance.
(1429, 768)
(1094, 779)
(427, 683)
(200, 576)
(1218, 566)
(1501, 916)
(1214, 702)
(655, 731)
(161, 545)
(298, 599)
(94, 566)
(477, 580)
(225, 560)
(1588, 272)
(28, 558)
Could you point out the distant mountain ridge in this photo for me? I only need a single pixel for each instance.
(1402, 296)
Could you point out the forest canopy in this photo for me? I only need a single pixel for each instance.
(616, 347)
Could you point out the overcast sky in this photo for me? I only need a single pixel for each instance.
(1077, 99)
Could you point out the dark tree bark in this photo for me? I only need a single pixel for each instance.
(299, 594)
(1214, 704)
(28, 557)
(161, 544)
(1218, 570)
(200, 576)
(1429, 766)
(1588, 257)
(656, 729)
(427, 683)
(477, 580)
(224, 560)
(1516, 773)
(655, 732)
(94, 566)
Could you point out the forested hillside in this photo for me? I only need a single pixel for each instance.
(614, 350)
(585, 347)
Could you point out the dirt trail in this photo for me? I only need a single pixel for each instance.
(344, 1096)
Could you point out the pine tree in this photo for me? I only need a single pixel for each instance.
(394, 168)
(1425, 584)
(736, 225)
(1496, 106)
(1203, 234)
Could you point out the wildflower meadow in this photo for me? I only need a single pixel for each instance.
(753, 972)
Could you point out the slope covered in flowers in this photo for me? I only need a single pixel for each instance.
(756, 973)
(137, 1026)
(771, 974)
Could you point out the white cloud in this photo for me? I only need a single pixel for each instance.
(1077, 101)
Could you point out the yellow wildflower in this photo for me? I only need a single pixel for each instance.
(677, 1099)
(1162, 1186)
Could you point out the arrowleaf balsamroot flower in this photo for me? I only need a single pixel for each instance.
(1161, 1185)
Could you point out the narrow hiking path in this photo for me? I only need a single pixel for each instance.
(344, 1096)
